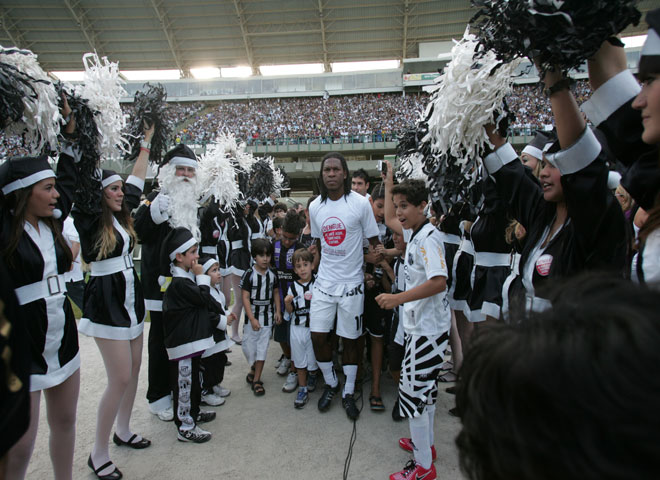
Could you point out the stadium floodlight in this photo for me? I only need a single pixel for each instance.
(205, 72)
(297, 69)
(151, 74)
(77, 76)
(240, 72)
(370, 65)
(632, 42)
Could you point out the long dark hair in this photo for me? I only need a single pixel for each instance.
(17, 202)
(106, 241)
(344, 166)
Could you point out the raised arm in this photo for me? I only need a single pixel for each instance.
(390, 214)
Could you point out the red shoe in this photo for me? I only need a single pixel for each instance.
(407, 445)
(414, 471)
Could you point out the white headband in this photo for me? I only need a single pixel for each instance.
(182, 248)
(533, 151)
(111, 179)
(209, 263)
(183, 162)
(27, 181)
(652, 44)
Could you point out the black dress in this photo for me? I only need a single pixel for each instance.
(51, 327)
(113, 305)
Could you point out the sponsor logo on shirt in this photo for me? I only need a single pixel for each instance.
(334, 231)
(543, 264)
(308, 295)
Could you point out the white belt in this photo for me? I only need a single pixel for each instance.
(515, 263)
(210, 250)
(450, 238)
(111, 265)
(490, 259)
(237, 244)
(466, 246)
(537, 304)
(51, 286)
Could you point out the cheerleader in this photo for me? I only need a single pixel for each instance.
(573, 222)
(113, 306)
(238, 234)
(628, 115)
(34, 203)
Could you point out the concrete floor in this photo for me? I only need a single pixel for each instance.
(253, 437)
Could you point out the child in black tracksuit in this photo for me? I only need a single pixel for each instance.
(188, 331)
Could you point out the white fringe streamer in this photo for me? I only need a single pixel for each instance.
(103, 88)
(464, 100)
(41, 118)
(411, 167)
(217, 176)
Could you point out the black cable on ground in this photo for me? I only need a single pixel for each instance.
(351, 443)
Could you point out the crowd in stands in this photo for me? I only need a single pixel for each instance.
(348, 118)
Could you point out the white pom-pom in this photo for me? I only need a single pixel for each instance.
(41, 118)
(103, 88)
(216, 174)
(465, 99)
(57, 214)
(411, 167)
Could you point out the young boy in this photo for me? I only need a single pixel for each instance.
(426, 319)
(259, 289)
(214, 359)
(297, 303)
(188, 331)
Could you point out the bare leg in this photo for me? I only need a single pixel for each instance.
(456, 346)
(376, 364)
(61, 405)
(117, 358)
(465, 329)
(258, 368)
(322, 346)
(19, 455)
(302, 376)
(126, 405)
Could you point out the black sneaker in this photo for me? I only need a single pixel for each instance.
(205, 417)
(327, 396)
(396, 414)
(348, 402)
(196, 435)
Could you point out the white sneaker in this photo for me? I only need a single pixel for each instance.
(221, 391)
(291, 383)
(212, 400)
(284, 367)
(166, 415)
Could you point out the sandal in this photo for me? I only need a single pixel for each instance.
(114, 475)
(448, 377)
(376, 404)
(258, 388)
(137, 444)
(250, 376)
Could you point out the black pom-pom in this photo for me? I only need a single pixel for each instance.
(262, 180)
(88, 137)
(14, 85)
(150, 107)
(556, 32)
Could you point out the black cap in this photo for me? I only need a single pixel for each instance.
(21, 172)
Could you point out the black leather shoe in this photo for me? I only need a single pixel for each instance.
(327, 396)
(114, 475)
(396, 414)
(138, 444)
(348, 402)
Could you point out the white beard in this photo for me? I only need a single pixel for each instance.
(183, 195)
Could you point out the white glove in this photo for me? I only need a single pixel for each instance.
(159, 208)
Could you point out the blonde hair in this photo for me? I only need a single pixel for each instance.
(107, 240)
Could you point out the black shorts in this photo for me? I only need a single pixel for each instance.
(374, 316)
(281, 332)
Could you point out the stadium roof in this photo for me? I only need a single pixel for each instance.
(179, 34)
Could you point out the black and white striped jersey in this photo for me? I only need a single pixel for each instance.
(261, 288)
(302, 300)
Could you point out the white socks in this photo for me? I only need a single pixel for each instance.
(351, 374)
(328, 373)
(430, 410)
(419, 433)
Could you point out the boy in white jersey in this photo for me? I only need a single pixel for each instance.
(298, 302)
(426, 319)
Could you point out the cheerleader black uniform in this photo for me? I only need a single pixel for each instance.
(610, 107)
(238, 235)
(188, 332)
(451, 239)
(214, 358)
(113, 305)
(37, 268)
(209, 229)
(593, 236)
(492, 256)
(462, 265)
(224, 247)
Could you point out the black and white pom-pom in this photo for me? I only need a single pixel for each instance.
(558, 32)
(265, 179)
(88, 141)
(40, 118)
(411, 153)
(150, 107)
(14, 86)
(102, 88)
(217, 176)
(286, 182)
